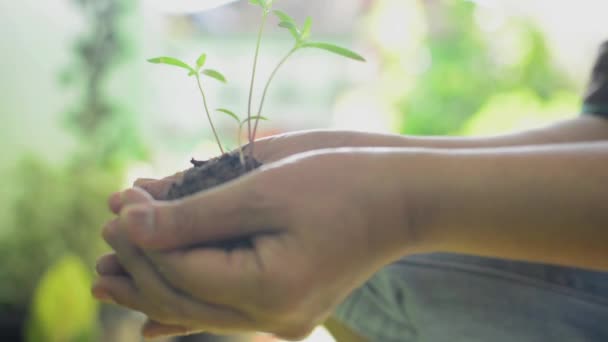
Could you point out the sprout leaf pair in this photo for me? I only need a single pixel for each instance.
(192, 71)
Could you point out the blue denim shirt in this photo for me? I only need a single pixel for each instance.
(457, 298)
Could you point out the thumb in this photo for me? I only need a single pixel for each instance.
(119, 200)
(135, 196)
(226, 213)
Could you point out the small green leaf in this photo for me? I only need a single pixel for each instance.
(229, 113)
(306, 29)
(214, 74)
(292, 29)
(253, 118)
(334, 49)
(201, 61)
(284, 17)
(259, 117)
(171, 61)
(265, 4)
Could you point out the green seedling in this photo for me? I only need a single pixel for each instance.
(196, 71)
(302, 40)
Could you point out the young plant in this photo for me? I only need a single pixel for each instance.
(301, 39)
(240, 123)
(196, 71)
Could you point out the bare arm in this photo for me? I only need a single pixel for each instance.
(583, 128)
(542, 204)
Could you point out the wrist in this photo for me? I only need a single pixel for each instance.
(402, 189)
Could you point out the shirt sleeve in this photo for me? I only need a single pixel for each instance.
(596, 96)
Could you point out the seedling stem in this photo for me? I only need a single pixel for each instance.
(217, 139)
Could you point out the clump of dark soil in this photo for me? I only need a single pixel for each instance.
(205, 175)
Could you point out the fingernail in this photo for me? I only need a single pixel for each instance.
(141, 219)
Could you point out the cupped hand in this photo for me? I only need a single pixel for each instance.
(267, 150)
(320, 225)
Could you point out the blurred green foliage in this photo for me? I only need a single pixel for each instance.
(59, 209)
(519, 110)
(465, 72)
(63, 309)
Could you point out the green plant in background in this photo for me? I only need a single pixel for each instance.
(464, 73)
(60, 207)
(301, 37)
(106, 129)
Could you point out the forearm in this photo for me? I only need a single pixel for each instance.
(584, 128)
(544, 204)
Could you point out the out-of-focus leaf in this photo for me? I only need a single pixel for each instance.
(334, 49)
(284, 17)
(171, 61)
(306, 29)
(214, 74)
(253, 118)
(295, 32)
(200, 62)
(63, 308)
(256, 2)
(229, 113)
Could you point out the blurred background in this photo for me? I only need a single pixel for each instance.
(82, 114)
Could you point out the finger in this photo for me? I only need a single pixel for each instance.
(159, 188)
(115, 202)
(134, 196)
(119, 200)
(228, 212)
(154, 329)
(119, 290)
(141, 181)
(163, 301)
(110, 265)
(133, 261)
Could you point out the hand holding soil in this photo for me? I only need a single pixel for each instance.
(314, 231)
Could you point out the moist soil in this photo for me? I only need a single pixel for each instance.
(208, 174)
(205, 175)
